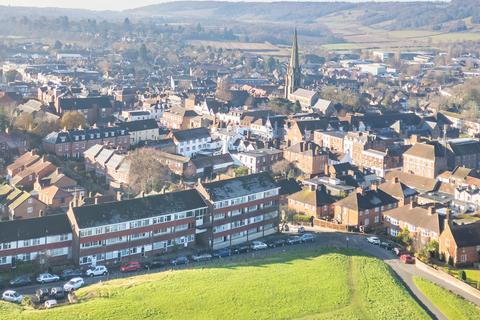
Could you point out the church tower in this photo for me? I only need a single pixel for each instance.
(293, 79)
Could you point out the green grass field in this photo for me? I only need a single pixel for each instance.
(450, 304)
(312, 284)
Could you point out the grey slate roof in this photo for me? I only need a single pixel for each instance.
(191, 134)
(34, 228)
(138, 208)
(240, 186)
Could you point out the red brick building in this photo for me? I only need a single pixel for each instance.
(460, 243)
(135, 228)
(47, 237)
(243, 209)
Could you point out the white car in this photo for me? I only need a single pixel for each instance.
(51, 303)
(202, 257)
(73, 284)
(47, 277)
(374, 240)
(12, 296)
(96, 271)
(258, 245)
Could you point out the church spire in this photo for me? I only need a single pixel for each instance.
(293, 79)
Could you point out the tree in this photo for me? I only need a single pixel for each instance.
(240, 171)
(58, 45)
(24, 122)
(432, 247)
(281, 168)
(73, 119)
(147, 173)
(462, 275)
(404, 237)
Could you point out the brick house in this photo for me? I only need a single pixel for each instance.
(242, 209)
(18, 204)
(73, 143)
(460, 243)
(380, 161)
(425, 159)
(298, 130)
(26, 240)
(55, 197)
(333, 140)
(260, 160)
(463, 152)
(364, 208)
(309, 157)
(178, 118)
(312, 202)
(95, 109)
(135, 228)
(22, 162)
(38, 170)
(404, 194)
(423, 223)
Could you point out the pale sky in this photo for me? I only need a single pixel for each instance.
(106, 4)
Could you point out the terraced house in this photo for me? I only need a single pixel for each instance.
(46, 238)
(137, 227)
(242, 209)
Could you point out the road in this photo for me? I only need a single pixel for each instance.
(326, 239)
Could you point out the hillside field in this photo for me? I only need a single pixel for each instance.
(308, 284)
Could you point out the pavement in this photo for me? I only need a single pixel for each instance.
(326, 238)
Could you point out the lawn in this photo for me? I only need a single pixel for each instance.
(309, 284)
(473, 275)
(450, 304)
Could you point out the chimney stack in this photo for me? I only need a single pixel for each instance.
(431, 210)
(396, 180)
(312, 187)
(301, 146)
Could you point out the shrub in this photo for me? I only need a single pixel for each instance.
(301, 218)
(478, 284)
(462, 275)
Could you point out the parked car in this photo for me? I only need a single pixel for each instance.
(241, 249)
(258, 245)
(68, 274)
(277, 243)
(51, 303)
(307, 237)
(57, 293)
(12, 296)
(96, 271)
(202, 257)
(298, 229)
(408, 259)
(222, 253)
(373, 240)
(155, 264)
(42, 294)
(294, 240)
(386, 245)
(73, 284)
(47, 278)
(131, 266)
(179, 260)
(21, 281)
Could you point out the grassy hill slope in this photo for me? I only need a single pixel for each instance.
(306, 284)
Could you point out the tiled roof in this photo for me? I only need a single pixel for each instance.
(366, 200)
(466, 235)
(191, 134)
(317, 198)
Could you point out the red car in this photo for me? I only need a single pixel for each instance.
(131, 266)
(408, 259)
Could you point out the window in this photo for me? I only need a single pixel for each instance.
(463, 258)
(29, 209)
(6, 246)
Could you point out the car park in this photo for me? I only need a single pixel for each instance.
(68, 274)
(20, 281)
(12, 296)
(47, 278)
(131, 266)
(96, 271)
(294, 240)
(407, 259)
(50, 303)
(57, 293)
(155, 264)
(373, 240)
(241, 249)
(307, 237)
(179, 260)
(277, 243)
(73, 284)
(201, 257)
(258, 245)
(42, 294)
(222, 253)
